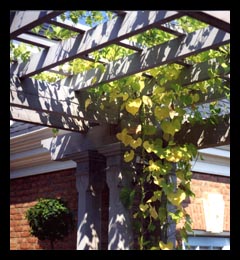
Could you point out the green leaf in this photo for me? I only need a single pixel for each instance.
(161, 112)
(149, 130)
(153, 213)
(143, 207)
(162, 214)
(170, 127)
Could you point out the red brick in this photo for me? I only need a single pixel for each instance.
(25, 246)
(24, 194)
(201, 185)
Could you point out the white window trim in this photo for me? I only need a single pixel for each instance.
(207, 239)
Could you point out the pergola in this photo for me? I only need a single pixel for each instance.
(57, 105)
(61, 105)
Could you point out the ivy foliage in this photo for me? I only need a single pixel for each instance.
(50, 219)
(151, 108)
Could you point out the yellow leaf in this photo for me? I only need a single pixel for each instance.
(153, 212)
(133, 106)
(153, 166)
(143, 207)
(128, 156)
(87, 103)
(136, 143)
(158, 180)
(113, 95)
(148, 147)
(147, 100)
(161, 112)
(124, 137)
(154, 248)
(176, 197)
(125, 96)
(168, 246)
(174, 155)
(195, 98)
(142, 85)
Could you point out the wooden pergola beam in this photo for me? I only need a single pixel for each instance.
(96, 38)
(219, 19)
(44, 97)
(50, 119)
(69, 25)
(199, 72)
(171, 28)
(24, 21)
(168, 52)
(36, 40)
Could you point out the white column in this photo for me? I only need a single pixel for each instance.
(119, 228)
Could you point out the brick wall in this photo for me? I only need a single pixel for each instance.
(23, 194)
(201, 185)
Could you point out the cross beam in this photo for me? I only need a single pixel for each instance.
(219, 19)
(168, 52)
(96, 38)
(23, 21)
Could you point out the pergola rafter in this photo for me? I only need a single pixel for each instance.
(58, 105)
(158, 55)
(96, 38)
(23, 21)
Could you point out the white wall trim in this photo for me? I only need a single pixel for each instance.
(28, 157)
(209, 168)
(215, 161)
(41, 169)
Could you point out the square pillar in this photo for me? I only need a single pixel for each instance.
(90, 182)
(117, 174)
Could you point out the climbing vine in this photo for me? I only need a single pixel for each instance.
(151, 108)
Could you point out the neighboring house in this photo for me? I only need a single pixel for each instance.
(34, 175)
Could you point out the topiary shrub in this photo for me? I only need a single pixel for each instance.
(50, 219)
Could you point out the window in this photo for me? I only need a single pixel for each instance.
(207, 243)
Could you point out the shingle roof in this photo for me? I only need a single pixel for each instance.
(19, 128)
